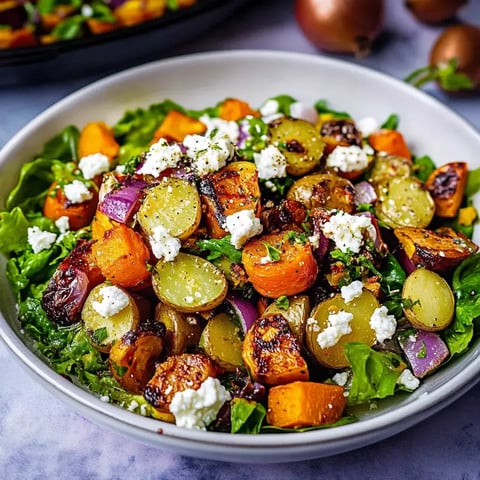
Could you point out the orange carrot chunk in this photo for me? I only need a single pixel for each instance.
(97, 137)
(176, 126)
(291, 270)
(305, 404)
(391, 142)
(233, 109)
(122, 256)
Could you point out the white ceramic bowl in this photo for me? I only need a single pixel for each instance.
(201, 80)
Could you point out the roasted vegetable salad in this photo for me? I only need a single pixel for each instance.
(243, 269)
(29, 23)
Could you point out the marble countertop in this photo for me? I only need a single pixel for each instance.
(42, 438)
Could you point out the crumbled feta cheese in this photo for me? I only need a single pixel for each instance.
(270, 107)
(408, 380)
(351, 291)
(347, 159)
(304, 112)
(367, 126)
(87, 11)
(338, 325)
(63, 224)
(347, 230)
(221, 128)
(93, 165)
(243, 225)
(163, 244)
(77, 192)
(114, 300)
(159, 157)
(383, 324)
(271, 163)
(39, 239)
(207, 154)
(196, 409)
(341, 378)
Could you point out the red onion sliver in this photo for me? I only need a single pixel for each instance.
(245, 310)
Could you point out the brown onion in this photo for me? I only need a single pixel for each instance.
(341, 26)
(461, 42)
(434, 11)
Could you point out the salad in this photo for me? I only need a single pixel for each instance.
(25, 23)
(243, 269)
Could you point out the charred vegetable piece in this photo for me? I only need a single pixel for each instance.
(440, 251)
(173, 204)
(299, 141)
(296, 313)
(404, 202)
(305, 404)
(97, 137)
(176, 374)
(447, 187)
(183, 330)
(233, 188)
(391, 142)
(189, 283)
(280, 263)
(288, 213)
(340, 131)
(425, 351)
(271, 352)
(324, 190)
(70, 285)
(428, 301)
(132, 358)
(222, 341)
(109, 312)
(319, 339)
(57, 205)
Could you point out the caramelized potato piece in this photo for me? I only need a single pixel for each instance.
(132, 358)
(233, 188)
(324, 190)
(271, 352)
(176, 374)
(447, 185)
(340, 131)
(183, 329)
(440, 251)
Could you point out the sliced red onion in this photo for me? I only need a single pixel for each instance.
(122, 203)
(243, 133)
(245, 311)
(405, 261)
(425, 351)
(365, 193)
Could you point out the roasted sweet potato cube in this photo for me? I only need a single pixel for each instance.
(176, 374)
(441, 250)
(447, 185)
(272, 353)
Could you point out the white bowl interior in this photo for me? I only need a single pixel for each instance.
(196, 81)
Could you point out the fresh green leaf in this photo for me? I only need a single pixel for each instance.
(342, 421)
(322, 108)
(246, 416)
(284, 103)
(220, 247)
(473, 182)
(13, 231)
(391, 123)
(423, 167)
(282, 302)
(374, 374)
(273, 254)
(70, 28)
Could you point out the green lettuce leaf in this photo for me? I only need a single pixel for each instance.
(375, 374)
(246, 416)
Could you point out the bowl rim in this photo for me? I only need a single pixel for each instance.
(312, 444)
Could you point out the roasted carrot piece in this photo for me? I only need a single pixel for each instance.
(233, 188)
(176, 126)
(305, 404)
(100, 224)
(234, 109)
(97, 137)
(56, 205)
(391, 142)
(122, 256)
(99, 26)
(292, 271)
